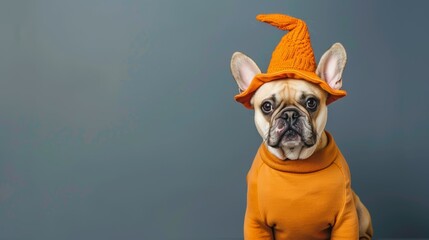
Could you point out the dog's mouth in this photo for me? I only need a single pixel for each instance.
(284, 135)
(288, 138)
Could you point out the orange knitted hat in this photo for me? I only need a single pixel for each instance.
(292, 58)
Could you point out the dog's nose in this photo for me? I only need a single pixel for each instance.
(291, 115)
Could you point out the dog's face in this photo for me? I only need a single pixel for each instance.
(291, 114)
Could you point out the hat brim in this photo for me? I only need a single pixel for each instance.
(246, 96)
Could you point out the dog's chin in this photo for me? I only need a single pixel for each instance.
(290, 144)
(290, 139)
(292, 147)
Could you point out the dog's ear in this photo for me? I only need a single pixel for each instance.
(331, 66)
(243, 68)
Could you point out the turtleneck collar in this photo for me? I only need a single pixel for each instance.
(321, 159)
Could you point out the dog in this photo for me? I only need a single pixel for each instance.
(299, 184)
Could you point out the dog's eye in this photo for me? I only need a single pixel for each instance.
(311, 104)
(267, 107)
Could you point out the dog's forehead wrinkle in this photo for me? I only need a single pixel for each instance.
(288, 91)
(266, 92)
(273, 97)
(296, 84)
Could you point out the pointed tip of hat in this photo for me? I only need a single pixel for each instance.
(281, 21)
(268, 18)
(261, 17)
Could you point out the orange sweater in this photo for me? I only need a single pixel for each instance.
(301, 199)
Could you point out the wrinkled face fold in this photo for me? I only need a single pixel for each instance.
(290, 115)
(290, 127)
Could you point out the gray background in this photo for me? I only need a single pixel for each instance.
(117, 118)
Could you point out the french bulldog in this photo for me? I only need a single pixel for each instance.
(290, 115)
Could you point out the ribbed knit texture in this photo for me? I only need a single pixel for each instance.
(294, 49)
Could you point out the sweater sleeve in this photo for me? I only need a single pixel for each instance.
(346, 225)
(254, 224)
(255, 229)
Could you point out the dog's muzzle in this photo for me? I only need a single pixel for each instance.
(290, 128)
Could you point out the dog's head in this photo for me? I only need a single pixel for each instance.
(291, 114)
